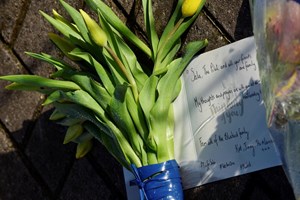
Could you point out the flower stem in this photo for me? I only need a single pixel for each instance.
(127, 74)
(170, 34)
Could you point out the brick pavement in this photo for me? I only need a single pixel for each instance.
(34, 164)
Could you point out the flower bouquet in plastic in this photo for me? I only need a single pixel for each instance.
(277, 33)
(105, 93)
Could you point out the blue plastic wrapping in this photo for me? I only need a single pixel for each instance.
(159, 181)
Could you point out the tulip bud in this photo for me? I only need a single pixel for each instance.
(83, 148)
(96, 33)
(58, 17)
(64, 45)
(56, 115)
(73, 132)
(190, 7)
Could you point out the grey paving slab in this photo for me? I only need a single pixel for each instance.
(11, 14)
(203, 29)
(274, 182)
(17, 107)
(161, 15)
(226, 189)
(106, 165)
(49, 155)
(84, 183)
(16, 182)
(265, 184)
(122, 8)
(234, 16)
(33, 36)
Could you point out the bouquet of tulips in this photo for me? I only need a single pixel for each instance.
(277, 33)
(107, 94)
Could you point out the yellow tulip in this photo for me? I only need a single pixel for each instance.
(190, 7)
(95, 31)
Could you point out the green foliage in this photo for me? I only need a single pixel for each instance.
(105, 93)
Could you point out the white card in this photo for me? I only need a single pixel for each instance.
(220, 129)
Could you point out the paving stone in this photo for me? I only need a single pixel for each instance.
(265, 184)
(231, 188)
(84, 183)
(161, 14)
(203, 29)
(33, 36)
(233, 15)
(107, 165)
(16, 182)
(11, 13)
(121, 8)
(17, 107)
(275, 182)
(46, 150)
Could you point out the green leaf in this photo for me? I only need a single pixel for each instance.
(59, 64)
(95, 89)
(104, 76)
(77, 18)
(80, 112)
(69, 121)
(137, 115)
(121, 116)
(171, 23)
(147, 96)
(125, 54)
(85, 136)
(56, 115)
(112, 18)
(111, 144)
(79, 97)
(63, 44)
(131, 63)
(119, 74)
(66, 30)
(169, 38)
(166, 86)
(162, 67)
(41, 82)
(115, 71)
(96, 115)
(177, 89)
(83, 98)
(116, 51)
(24, 87)
(150, 26)
(53, 97)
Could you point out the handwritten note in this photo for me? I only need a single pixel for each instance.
(221, 130)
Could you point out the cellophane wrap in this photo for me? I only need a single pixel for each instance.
(276, 26)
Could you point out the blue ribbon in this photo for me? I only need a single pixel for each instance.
(139, 182)
(158, 181)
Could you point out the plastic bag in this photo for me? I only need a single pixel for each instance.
(276, 26)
